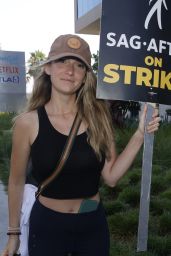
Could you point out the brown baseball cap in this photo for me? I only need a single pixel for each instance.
(69, 45)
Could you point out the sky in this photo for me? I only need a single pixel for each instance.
(30, 25)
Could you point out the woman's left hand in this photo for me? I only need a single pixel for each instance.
(153, 125)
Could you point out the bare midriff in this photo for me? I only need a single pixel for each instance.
(64, 205)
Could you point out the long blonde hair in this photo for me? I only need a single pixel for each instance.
(94, 111)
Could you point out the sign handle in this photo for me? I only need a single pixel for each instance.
(145, 184)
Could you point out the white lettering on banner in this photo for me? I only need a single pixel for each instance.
(135, 42)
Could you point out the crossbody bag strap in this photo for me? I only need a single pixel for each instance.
(64, 155)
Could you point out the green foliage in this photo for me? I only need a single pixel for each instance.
(167, 177)
(114, 207)
(158, 185)
(124, 224)
(157, 169)
(107, 192)
(4, 171)
(134, 176)
(166, 193)
(35, 59)
(121, 247)
(162, 146)
(158, 205)
(122, 184)
(165, 223)
(160, 245)
(5, 121)
(130, 195)
(5, 144)
(95, 58)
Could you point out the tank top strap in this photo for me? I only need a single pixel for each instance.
(43, 120)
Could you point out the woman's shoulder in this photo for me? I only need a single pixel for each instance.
(25, 127)
(26, 119)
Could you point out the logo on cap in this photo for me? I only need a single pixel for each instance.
(74, 43)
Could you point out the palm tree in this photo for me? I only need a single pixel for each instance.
(35, 59)
(95, 57)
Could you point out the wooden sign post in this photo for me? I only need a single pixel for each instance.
(145, 186)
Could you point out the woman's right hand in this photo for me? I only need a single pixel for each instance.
(12, 246)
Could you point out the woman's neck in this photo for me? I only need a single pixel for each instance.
(62, 105)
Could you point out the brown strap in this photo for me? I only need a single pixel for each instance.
(64, 155)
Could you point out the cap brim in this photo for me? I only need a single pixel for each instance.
(59, 56)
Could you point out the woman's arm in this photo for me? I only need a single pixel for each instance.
(118, 165)
(19, 158)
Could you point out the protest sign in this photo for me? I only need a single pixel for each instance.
(135, 51)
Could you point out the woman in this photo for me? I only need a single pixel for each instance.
(66, 86)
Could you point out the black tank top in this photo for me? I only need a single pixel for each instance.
(81, 173)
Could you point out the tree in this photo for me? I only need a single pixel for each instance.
(95, 64)
(35, 59)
